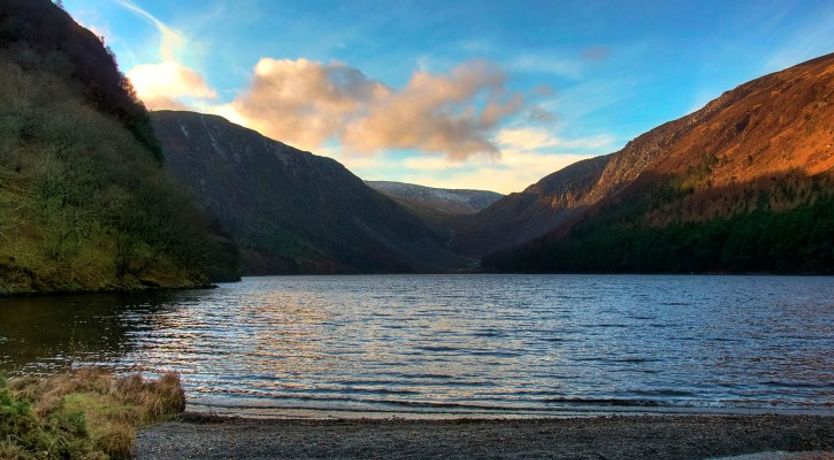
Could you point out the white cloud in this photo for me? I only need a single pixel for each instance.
(170, 39)
(167, 85)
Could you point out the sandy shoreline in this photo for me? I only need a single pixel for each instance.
(668, 437)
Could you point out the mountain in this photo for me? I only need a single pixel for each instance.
(743, 184)
(291, 211)
(521, 217)
(84, 202)
(450, 202)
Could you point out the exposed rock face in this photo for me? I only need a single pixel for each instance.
(292, 211)
(772, 136)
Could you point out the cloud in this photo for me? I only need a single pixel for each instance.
(535, 139)
(168, 84)
(165, 85)
(438, 113)
(307, 103)
(170, 39)
(527, 155)
(304, 102)
(514, 172)
(526, 139)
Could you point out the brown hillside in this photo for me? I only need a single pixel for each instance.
(780, 125)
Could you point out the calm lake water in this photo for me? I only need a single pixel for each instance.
(480, 344)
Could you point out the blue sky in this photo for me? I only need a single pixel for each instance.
(456, 94)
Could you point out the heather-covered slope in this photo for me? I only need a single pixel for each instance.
(292, 211)
(84, 202)
(743, 184)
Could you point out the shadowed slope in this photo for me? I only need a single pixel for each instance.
(292, 211)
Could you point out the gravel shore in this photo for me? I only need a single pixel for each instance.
(644, 437)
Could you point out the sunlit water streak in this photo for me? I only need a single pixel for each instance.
(492, 344)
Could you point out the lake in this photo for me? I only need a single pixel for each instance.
(439, 345)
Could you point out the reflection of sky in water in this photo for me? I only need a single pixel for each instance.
(420, 342)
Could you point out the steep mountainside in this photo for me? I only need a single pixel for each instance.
(84, 202)
(521, 217)
(291, 211)
(450, 202)
(744, 184)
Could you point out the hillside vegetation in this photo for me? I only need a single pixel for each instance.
(784, 229)
(84, 202)
(743, 185)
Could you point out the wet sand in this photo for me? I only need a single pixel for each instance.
(631, 437)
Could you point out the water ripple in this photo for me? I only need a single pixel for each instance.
(454, 343)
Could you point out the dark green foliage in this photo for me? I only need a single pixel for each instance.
(223, 259)
(42, 36)
(797, 240)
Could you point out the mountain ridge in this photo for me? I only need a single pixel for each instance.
(764, 147)
(292, 211)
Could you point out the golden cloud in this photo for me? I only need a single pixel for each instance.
(306, 103)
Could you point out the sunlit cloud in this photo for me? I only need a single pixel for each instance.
(306, 103)
(168, 84)
(439, 113)
(303, 102)
(527, 155)
(514, 172)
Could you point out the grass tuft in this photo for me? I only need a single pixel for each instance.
(88, 413)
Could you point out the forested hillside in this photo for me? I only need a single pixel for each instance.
(84, 201)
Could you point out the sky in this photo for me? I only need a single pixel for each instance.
(459, 94)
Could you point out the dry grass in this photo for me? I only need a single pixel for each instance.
(88, 413)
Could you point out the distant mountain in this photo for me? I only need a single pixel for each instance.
(744, 184)
(291, 211)
(84, 202)
(436, 201)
